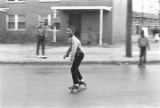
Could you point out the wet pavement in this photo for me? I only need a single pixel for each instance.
(108, 86)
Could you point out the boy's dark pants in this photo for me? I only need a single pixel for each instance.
(40, 42)
(76, 75)
(142, 55)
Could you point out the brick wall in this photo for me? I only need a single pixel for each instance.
(33, 8)
(2, 26)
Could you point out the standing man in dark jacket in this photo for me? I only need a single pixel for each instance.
(41, 37)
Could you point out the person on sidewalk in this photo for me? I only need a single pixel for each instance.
(41, 38)
(156, 38)
(76, 57)
(143, 44)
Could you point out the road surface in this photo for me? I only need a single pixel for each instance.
(108, 86)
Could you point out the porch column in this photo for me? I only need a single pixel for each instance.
(101, 27)
(54, 28)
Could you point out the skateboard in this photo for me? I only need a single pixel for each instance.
(78, 88)
(43, 57)
(74, 89)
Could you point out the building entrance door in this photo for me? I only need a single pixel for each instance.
(75, 22)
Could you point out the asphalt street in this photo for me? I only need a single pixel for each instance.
(108, 86)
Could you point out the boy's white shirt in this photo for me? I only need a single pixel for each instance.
(75, 43)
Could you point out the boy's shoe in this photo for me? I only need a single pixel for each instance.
(82, 83)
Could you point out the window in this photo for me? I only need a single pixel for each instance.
(50, 20)
(11, 22)
(16, 1)
(49, 0)
(16, 22)
(21, 22)
(55, 20)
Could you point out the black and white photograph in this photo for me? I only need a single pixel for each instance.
(79, 53)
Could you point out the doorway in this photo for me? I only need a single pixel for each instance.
(75, 22)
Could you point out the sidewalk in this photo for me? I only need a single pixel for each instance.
(109, 54)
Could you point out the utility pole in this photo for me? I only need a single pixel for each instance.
(129, 29)
(142, 14)
(159, 13)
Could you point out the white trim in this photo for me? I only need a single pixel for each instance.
(3, 9)
(49, 19)
(54, 28)
(100, 27)
(16, 1)
(7, 20)
(16, 30)
(81, 8)
(49, 1)
(54, 13)
(16, 22)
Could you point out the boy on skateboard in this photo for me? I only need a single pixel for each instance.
(76, 57)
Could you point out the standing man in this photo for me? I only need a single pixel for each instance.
(41, 37)
(143, 45)
(76, 57)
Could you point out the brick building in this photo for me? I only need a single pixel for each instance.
(2, 23)
(95, 21)
(150, 22)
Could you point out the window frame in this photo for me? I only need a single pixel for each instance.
(49, 19)
(21, 20)
(16, 21)
(16, 1)
(43, 1)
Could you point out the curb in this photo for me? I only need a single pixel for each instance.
(83, 63)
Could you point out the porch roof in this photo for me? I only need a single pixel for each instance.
(81, 8)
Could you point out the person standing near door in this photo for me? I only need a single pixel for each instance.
(76, 58)
(41, 37)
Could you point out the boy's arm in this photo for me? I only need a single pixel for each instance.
(148, 44)
(46, 31)
(38, 26)
(139, 42)
(68, 51)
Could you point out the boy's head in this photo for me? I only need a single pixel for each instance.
(69, 32)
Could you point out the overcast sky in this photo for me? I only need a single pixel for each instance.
(151, 6)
